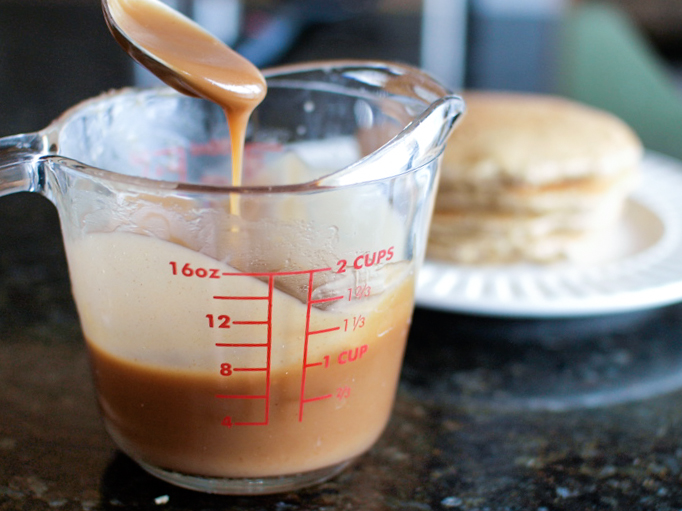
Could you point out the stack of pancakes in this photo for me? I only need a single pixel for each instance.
(531, 178)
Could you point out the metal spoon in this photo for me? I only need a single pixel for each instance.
(182, 53)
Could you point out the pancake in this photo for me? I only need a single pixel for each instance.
(530, 178)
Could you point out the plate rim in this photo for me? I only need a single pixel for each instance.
(660, 179)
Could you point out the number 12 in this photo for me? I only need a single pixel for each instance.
(223, 321)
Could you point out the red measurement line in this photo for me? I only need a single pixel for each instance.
(243, 345)
(229, 396)
(313, 332)
(274, 273)
(240, 298)
(302, 400)
(330, 299)
(268, 344)
(318, 398)
(271, 290)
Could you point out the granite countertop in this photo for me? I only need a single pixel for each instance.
(492, 414)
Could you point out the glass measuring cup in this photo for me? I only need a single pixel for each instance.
(245, 340)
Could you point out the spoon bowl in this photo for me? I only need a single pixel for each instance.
(181, 53)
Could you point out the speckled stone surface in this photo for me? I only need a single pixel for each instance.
(450, 444)
(492, 414)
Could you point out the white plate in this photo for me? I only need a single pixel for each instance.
(639, 265)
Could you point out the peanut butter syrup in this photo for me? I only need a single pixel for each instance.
(191, 60)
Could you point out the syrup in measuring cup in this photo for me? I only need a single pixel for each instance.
(277, 386)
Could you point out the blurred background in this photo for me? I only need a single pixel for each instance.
(621, 55)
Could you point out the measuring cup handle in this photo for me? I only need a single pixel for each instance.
(19, 170)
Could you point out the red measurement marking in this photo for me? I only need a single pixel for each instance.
(240, 345)
(306, 365)
(211, 148)
(241, 297)
(166, 161)
(275, 273)
(271, 290)
(305, 349)
(330, 299)
(314, 332)
(222, 146)
(267, 344)
(318, 398)
(239, 396)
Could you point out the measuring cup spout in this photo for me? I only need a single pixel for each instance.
(19, 169)
(403, 106)
(418, 144)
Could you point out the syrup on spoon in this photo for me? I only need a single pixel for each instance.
(191, 60)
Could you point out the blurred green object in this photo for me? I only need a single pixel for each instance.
(609, 64)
